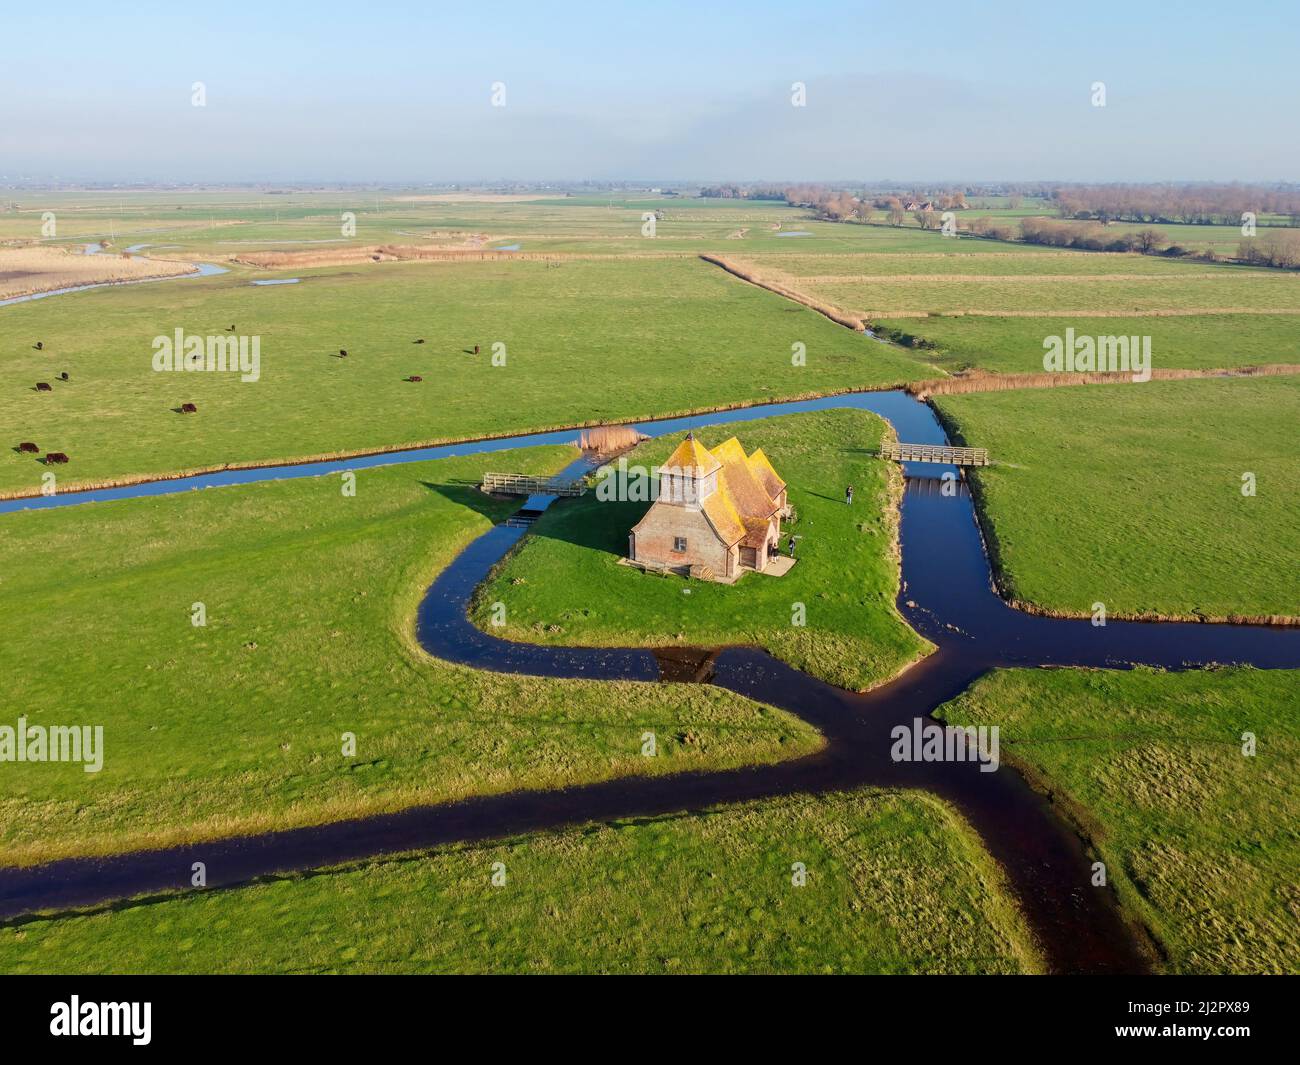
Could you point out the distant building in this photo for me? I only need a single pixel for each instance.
(718, 512)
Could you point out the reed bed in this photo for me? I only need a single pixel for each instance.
(610, 439)
(27, 271)
(835, 314)
(992, 382)
(277, 260)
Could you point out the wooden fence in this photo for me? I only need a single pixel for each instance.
(519, 484)
(957, 456)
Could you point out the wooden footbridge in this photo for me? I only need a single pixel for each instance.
(520, 484)
(956, 456)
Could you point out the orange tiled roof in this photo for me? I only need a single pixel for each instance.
(692, 455)
(767, 476)
(752, 498)
(724, 516)
(743, 502)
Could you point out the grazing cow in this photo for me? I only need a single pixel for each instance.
(55, 457)
(28, 448)
(43, 386)
(420, 341)
(343, 353)
(415, 377)
(63, 376)
(189, 408)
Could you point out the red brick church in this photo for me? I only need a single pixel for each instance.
(718, 513)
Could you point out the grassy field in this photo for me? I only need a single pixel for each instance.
(1213, 289)
(1131, 495)
(564, 584)
(310, 599)
(896, 883)
(1224, 240)
(963, 258)
(584, 342)
(1015, 345)
(1199, 840)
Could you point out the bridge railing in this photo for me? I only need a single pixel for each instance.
(521, 484)
(957, 456)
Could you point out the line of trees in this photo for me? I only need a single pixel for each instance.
(1280, 248)
(1188, 204)
(1093, 237)
(742, 192)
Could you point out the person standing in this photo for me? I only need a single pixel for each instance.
(792, 545)
(848, 495)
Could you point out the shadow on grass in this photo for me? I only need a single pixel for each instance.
(467, 494)
(585, 521)
(588, 522)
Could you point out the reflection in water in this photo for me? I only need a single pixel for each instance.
(686, 665)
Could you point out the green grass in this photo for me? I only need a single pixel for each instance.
(1199, 840)
(588, 341)
(1131, 495)
(310, 598)
(564, 584)
(1229, 289)
(1015, 345)
(896, 883)
(989, 259)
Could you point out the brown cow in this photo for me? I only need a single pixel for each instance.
(43, 386)
(415, 377)
(28, 448)
(55, 457)
(189, 408)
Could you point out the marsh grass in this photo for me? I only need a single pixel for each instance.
(310, 598)
(1132, 496)
(1198, 839)
(896, 883)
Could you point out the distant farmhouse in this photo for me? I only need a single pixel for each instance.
(718, 514)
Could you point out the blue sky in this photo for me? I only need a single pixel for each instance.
(402, 91)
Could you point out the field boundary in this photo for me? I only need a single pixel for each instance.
(392, 253)
(129, 480)
(1128, 312)
(836, 314)
(995, 382)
